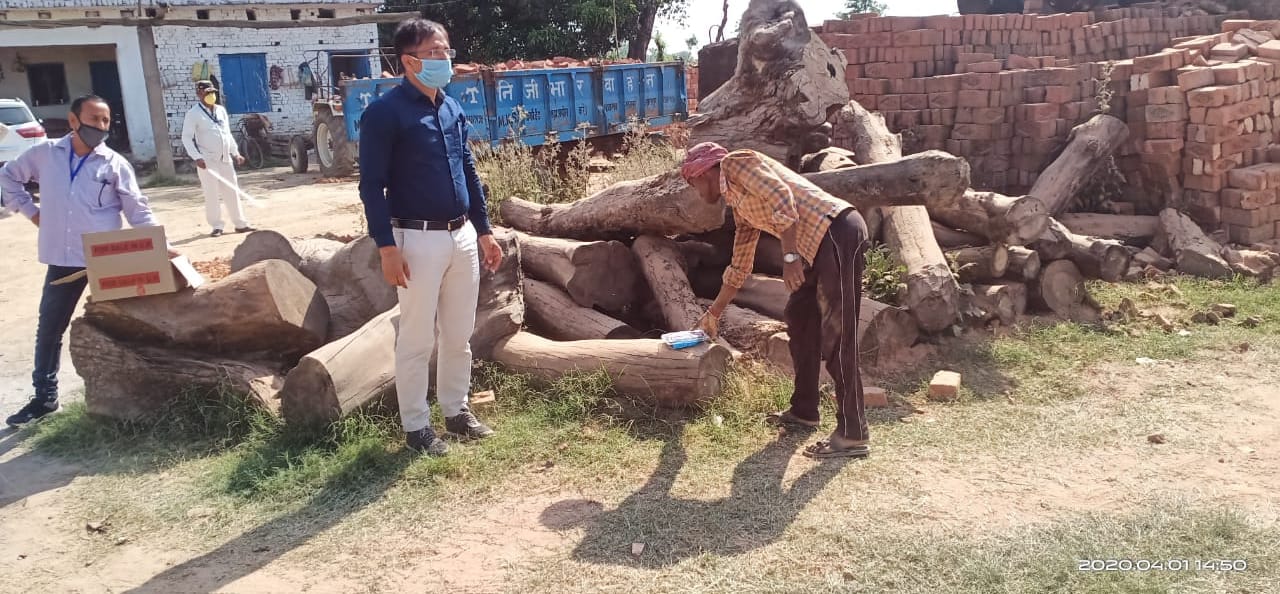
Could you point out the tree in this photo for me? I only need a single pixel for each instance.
(648, 12)
(861, 7)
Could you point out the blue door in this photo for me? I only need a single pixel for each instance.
(244, 82)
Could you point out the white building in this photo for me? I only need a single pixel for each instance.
(257, 69)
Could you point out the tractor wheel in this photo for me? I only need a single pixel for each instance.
(336, 154)
(298, 154)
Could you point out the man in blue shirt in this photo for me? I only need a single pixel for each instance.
(84, 187)
(426, 211)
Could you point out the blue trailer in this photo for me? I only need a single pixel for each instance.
(534, 107)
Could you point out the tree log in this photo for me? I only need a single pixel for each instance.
(827, 159)
(1089, 147)
(1193, 252)
(884, 331)
(932, 177)
(1130, 229)
(1001, 219)
(1097, 258)
(133, 383)
(745, 329)
(268, 309)
(500, 312)
(348, 275)
(647, 370)
(1003, 301)
(662, 265)
(343, 376)
(658, 205)
(1024, 264)
(787, 84)
(1060, 290)
(850, 128)
(950, 239)
(555, 315)
(599, 274)
(985, 263)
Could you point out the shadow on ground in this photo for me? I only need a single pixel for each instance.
(757, 512)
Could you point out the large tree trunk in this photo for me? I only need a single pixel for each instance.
(883, 330)
(639, 46)
(1193, 251)
(1131, 229)
(133, 383)
(343, 376)
(850, 128)
(1097, 258)
(1024, 264)
(987, 263)
(930, 178)
(659, 205)
(555, 315)
(348, 275)
(1089, 147)
(788, 83)
(599, 274)
(1001, 219)
(268, 310)
(647, 370)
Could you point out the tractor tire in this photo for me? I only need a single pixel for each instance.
(298, 154)
(336, 154)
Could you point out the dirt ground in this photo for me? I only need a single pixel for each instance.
(290, 203)
(1220, 417)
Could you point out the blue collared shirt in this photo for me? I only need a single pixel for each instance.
(415, 163)
(104, 188)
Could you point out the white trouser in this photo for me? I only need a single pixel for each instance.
(217, 193)
(437, 313)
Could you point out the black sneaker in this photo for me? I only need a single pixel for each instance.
(244, 229)
(425, 441)
(216, 233)
(33, 411)
(466, 425)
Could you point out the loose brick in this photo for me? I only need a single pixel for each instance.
(1270, 49)
(1248, 179)
(1215, 96)
(945, 386)
(1167, 146)
(1206, 183)
(1250, 235)
(874, 397)
(1231, 74)
(1192, 78)
(1165, 113)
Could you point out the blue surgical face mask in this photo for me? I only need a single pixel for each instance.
(435, 74)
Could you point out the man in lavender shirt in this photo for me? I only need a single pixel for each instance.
(84, 188)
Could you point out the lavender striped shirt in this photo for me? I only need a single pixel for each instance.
(104, 188)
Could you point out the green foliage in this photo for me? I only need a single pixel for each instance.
(853, 7)
(882, 276)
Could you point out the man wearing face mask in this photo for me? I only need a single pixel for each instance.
(426, 211)
(206, 134)
(85, 187)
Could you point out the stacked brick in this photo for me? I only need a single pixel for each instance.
(1250, 209)
(1157, 115)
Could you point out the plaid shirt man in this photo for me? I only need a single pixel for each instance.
(766, 196)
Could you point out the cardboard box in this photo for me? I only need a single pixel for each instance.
(134, 263)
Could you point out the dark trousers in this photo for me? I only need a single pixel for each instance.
(57, 305)
(822, 319)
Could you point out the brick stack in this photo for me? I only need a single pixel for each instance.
(1250, 211)
(1157, 117)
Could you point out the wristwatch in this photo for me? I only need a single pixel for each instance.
(790, 258)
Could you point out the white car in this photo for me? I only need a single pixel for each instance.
(19, 130)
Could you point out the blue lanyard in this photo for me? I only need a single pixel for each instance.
(210, 113)
(71, 158)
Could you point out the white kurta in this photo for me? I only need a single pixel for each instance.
(206, 134)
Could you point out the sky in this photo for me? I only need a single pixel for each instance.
(703, 14)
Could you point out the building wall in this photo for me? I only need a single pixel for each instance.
(128, 57)
(75, 61)
(180, 48)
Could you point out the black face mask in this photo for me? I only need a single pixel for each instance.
(92, 136)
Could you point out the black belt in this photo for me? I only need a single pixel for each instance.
(416, 225)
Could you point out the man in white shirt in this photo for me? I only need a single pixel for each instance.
(206, 134)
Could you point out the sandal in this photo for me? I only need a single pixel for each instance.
(824, 450)
(786, 418)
